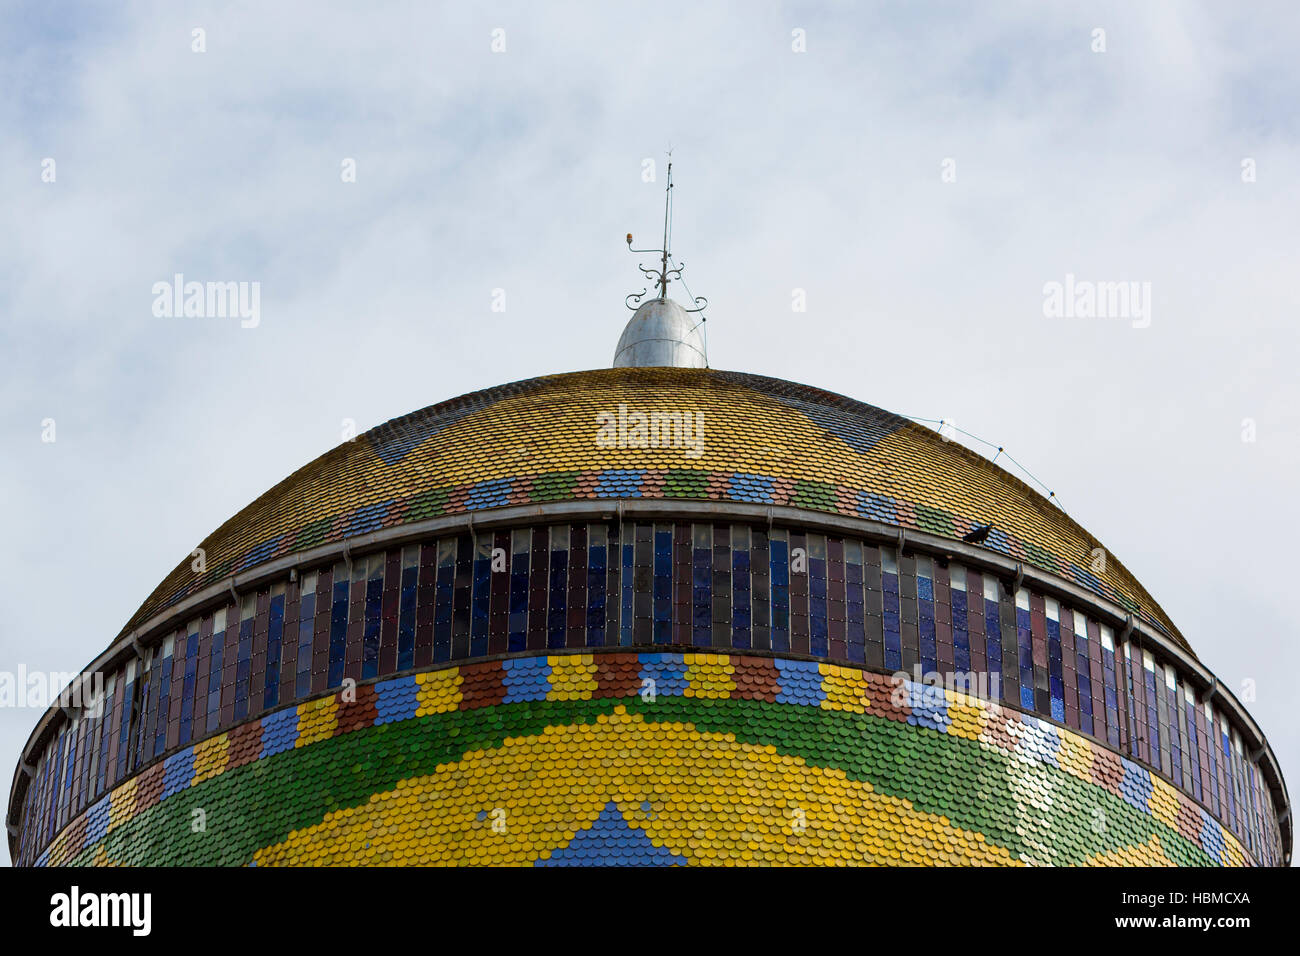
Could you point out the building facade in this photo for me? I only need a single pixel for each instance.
(651, 615)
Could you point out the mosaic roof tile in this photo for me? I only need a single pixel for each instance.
(825, 766)
(760, 441)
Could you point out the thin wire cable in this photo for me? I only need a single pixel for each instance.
(1001, 451)
(703, 318)
(668, 239)
(1138, 612)
(668, 244)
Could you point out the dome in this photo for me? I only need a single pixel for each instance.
(762, 442)
(661, 333)
(381, 649)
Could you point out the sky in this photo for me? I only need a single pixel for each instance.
(915, 174)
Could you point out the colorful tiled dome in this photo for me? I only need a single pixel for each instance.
(761, 441)
(653, 616)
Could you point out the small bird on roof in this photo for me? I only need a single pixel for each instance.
(979, 535)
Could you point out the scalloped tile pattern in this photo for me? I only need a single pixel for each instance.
(763, 441)
(719, 759)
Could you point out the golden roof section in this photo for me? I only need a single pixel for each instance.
(721, 435)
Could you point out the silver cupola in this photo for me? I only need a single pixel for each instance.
(661, 332)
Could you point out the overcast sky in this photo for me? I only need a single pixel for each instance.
(522, 170)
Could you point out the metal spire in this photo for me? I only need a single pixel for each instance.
(660, 332)
(668, 205)
(666, 272)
